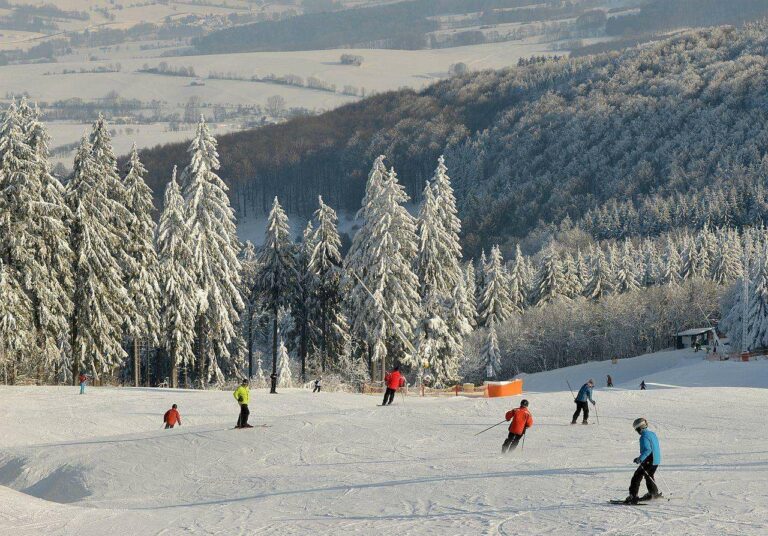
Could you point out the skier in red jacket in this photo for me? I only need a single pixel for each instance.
(172, 417)
(521, 420)
(393, 381)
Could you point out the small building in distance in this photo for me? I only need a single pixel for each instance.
(687, 338)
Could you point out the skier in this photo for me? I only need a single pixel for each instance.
(609, 382)
(172, 417)
(83, 379)
(318, 385)
(393, 381)
(243, 395)
(649, 460)
(585, 393)
(521, 420)
(642, 385)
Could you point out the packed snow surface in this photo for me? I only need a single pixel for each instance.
(336, 463)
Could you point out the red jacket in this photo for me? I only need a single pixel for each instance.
(82, 378)
(172, 417)
(394, 380)
(521, 420)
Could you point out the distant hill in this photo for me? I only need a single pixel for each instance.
(530, 146)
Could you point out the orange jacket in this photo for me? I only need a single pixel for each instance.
(172, 417)
(521, 420)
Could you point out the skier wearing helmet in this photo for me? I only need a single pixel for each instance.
(649, 460)
(521, 420)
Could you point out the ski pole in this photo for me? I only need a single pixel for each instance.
(597, 415)
(494, 426)
(571, 389)
(522, 447)
(654, 482)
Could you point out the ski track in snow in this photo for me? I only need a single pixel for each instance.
(337, 464)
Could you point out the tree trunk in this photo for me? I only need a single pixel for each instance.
(272, 389)
(136, 363)
(201, 352)
(75, 364)
(175, 375)
(249, 323)
(303, 348)
(149, 367)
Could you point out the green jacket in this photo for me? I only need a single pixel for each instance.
(242, 394)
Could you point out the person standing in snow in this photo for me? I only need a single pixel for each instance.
(521, 420)
(243, 395)
(648, 462)
(609, 382)
(642, 385)
(172, 417)
(318, 385)
(585, 394)
(393, 381)
(83, 379)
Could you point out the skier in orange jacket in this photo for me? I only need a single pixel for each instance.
(521, 420)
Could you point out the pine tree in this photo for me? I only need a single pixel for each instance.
(691, 264)
(325, 264)
(142, 283)
(550, 282)
(517, 282)
(625, 273)
(470, 286)
(53, 284)
(100, 298)
(572, 283)
(757, 312)
(383, 286)
(302, 306)
(490, 353)
(600, 281)
(178, 293)
(671, 268)
(277, 271)
(261, 378)
(250, 268)
(15, 322)
(496, 304)
(215, 263)
(284, 376)
(448, 246)
(726, 264)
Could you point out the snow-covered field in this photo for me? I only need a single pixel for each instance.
(337, 464)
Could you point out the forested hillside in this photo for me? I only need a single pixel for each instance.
(684, 118)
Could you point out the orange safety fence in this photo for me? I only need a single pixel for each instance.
(489, 389)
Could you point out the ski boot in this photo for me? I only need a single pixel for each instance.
(573, 421)
(632, 499)
(584, 421)
(651, 496)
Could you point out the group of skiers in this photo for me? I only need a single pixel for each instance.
(650, 451)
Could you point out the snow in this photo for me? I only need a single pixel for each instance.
(335, 463)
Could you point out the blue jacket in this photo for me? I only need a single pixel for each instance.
(649, 444)
(585, 393)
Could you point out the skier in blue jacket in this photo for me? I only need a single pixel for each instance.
(585, 393)
(649, 460)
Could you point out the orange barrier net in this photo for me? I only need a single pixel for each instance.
(488, 390)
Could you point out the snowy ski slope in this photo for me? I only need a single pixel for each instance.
(337, 464)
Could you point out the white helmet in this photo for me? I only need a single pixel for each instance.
(640, 424)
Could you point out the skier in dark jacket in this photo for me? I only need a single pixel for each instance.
(609, 381)
(649, 461)
(642, 385)
(585, 394)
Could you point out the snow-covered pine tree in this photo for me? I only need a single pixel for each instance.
(550, 282)
(691, 262)
(496, 304)
(449, 246)
(382, 285)
(326, 264)
(100, 298)
(480, 281)
(706, 244)
(261, 377)
(54, 284)
(726, 263)
(142, 283)
(670, 274)
(490, 353)
(600, 281)
(470, 288)
(277, 271)
(215, 248)
(625, 280)
(16, 324)
(517, 282)
(650, 267)
(249, 271)
(284, 375)
(302, 302)
(757, 311)
(572, 283)
(178, 294)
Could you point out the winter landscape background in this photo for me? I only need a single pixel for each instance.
(194, 193)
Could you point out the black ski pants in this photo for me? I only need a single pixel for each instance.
(581, 406)
(389, 396)
(647, 471)
(511, 442)
(316, 389)
(242, 420)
